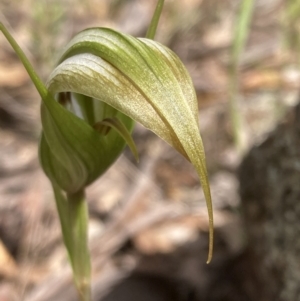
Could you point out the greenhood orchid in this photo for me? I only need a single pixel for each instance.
(103, 83)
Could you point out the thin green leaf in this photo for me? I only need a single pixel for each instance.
(33, 75)
(155, 19)
(241, 30)
(240, 37)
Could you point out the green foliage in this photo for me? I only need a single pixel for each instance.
(239, 40)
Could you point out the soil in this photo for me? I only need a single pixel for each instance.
(148, 221)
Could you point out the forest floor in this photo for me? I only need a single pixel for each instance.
(149, 218)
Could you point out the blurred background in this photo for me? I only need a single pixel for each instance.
(148, 221)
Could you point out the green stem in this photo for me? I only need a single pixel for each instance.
(47, 98)
(72, 208)
(33, 75)
(240, 37)
(154, 22)
(73, 214)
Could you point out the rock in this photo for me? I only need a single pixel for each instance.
(270, 194)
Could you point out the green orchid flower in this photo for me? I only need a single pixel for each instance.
(140, 78)
(104, 81)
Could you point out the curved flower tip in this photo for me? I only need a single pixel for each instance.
(141, 79)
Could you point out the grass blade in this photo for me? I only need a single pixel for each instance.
(155, 19)
(240, 37)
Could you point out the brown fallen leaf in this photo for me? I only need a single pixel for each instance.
(12, 75)
(8, 267)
